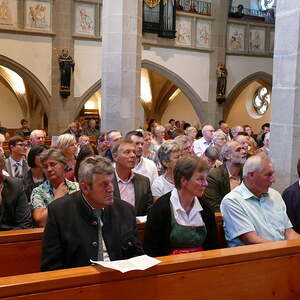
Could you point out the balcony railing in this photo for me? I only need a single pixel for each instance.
(194, 6)
(267, 16)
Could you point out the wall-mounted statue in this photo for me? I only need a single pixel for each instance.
(222, 82)
(66, 66)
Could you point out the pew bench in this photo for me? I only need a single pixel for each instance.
(265, 271)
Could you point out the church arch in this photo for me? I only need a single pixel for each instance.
(198, 104)
(30, 79)
(261, 77)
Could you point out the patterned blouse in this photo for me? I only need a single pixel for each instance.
(43, 195)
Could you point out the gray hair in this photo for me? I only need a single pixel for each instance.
(226, 149)
(255, 163)
(65, 140)
(34, 132)
(55, 154)
(181, 140)
(212, 152)
(95, 164)
(217, 135)
(165, 150)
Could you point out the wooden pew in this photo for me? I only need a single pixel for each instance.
(265, 271)
(20, 251)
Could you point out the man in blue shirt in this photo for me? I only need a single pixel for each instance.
(253, 212)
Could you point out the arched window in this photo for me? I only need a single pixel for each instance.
(261, 100)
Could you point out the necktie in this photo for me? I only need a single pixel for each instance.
(98, 215)
(17, 172)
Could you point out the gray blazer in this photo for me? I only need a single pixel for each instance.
(142, 191)
(9, 167)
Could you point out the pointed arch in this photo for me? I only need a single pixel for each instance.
(36, 85)
(261, 77)
(198, 104)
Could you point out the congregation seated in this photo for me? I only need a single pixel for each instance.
(54, 164)
(158, 137)
(35, 175)
(181, 221)
(226, 177)
(266, 144)
(191, 132)
(168, 154)
(253, 212)
(224, 127)
(219, 139)
(16, 164)
(37, 137)
(205, 141)
(73, 129)
(82, 141)
(113, 137)
(85, 151)
(104, 229)
(68, 145)
(2, 140)
(143, 165)
(4, 131)
(147, 151)
(14, 208)
(24, 131)
(91, 130)
(185, 143)
(212, 156)
(291, 197)
(128, 185)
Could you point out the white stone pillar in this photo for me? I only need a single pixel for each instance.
(121, 64)
(285, 118)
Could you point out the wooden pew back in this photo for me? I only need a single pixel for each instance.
(250, 272)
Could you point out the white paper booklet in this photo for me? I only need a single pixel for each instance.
(141, 262)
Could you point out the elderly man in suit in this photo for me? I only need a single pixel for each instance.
(89, 224)
(14, 208)
(223, 179)
(129, 186)
(16, 164)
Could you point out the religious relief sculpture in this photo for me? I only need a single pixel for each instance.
(66, 66)
(222, 82)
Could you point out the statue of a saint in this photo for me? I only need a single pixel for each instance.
(222, 82)
(66, 66)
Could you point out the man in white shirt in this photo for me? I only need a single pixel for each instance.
(16, 165)
(199, 146)
(143, 166)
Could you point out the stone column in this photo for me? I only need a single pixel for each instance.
(121, 66)
(61, 110)
(285, 118)
(220, 13)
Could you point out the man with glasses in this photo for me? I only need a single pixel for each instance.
(16, 164)
(199, 146)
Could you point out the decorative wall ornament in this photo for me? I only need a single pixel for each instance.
(203, 34)
(257, 40)
(85, 18)
(221, 83)
(261, 100)
(9, 13)
(236, 38)
(152, 3)
(38, 14)
(184, 31)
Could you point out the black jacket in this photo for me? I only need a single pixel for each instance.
(71, 233)
(158, 227)
(15, 211)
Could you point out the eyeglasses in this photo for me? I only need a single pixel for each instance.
(22, 144)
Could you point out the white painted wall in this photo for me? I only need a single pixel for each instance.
(33, 52)
(192, 66)
(180, 109)
(88, 64)
(239, 67)
(10, 112)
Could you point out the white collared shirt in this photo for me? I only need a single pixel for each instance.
(126, 189)
(199, 146)
(147, 168)
(194, 218)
